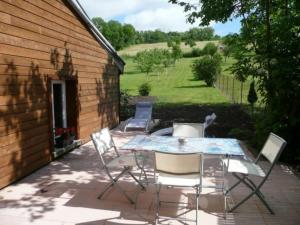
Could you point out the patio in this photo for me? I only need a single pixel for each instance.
(65, 192)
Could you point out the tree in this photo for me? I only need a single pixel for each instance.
(210, 49)
(252, 96)
(207, 68)
(176, 52)
(99, 23)
(129, 35)
(111, 30)
(114, 33)
(270, 41)
(119, 35)
(190, 42)
(167, 60)
(145, 62)
(226, 52)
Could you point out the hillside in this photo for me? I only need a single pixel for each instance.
(177, 86)
(132, 50)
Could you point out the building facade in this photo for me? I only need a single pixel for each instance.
(59, 81)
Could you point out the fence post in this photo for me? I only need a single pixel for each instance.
(242, 92)
(227, 86)
(233, 90)
(223, 83)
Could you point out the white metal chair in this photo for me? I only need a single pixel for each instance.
(188, 130)
(178, 170)
(163, 132)
(142, 117)
(241, 169)
(103, 142)
(209, 119)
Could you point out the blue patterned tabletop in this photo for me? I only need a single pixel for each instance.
(218, 146)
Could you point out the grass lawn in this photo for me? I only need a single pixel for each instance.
(132, 50)
(175, 87)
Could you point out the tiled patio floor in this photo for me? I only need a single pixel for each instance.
(65, 192)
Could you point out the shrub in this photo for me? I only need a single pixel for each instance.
(144, 89)
(240, 133)
(176, 52)
(187, 54)
(252, 96)
(210, 49)
(195, 52)
(125, 111)
(207, 68)
(218, 58)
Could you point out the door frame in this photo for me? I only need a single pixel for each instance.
(64, 102)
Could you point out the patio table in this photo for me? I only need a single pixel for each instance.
(211, 146)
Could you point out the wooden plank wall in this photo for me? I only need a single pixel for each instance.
(42, 40)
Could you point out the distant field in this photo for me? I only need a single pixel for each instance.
(132, 50)
(177, 86)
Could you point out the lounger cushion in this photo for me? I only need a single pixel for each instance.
(137, 123)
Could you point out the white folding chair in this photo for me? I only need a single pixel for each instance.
(209, 119)
(103, 142)
(163, 132)
(188, 130)
(178, 170)
(241, 169)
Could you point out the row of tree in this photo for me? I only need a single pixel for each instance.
(158, 60)
(124, 35)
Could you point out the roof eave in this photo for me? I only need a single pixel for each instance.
(100, 38)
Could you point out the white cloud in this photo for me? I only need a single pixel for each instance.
(142, 14)
(109, 9)
(166, 19)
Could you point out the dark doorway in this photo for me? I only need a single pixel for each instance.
(64, 115)
(58, 105)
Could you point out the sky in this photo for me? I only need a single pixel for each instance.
(150, 15)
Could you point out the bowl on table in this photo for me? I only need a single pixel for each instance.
(181, 140)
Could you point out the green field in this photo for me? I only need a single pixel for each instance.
(132, 50)
(177, 86)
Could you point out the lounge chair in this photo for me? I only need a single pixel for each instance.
(142, 117)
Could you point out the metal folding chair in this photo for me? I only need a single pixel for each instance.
(209, 119)
(178, 170)
(103, 142)
(241, 169)
(188, 130)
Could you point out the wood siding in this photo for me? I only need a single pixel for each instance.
(43, 40)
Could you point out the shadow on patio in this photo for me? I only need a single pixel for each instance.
(65, 192)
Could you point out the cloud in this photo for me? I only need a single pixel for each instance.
(110, 9)
(166, 19)
(148, 14)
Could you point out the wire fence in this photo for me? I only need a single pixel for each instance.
(235, 90)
